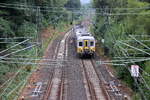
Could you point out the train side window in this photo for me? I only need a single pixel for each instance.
(80, 43)
(92, 43)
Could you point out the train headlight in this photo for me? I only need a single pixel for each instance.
(93, 48)
(80, 50)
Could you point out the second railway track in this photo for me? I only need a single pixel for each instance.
(93, 82)
(55, 85)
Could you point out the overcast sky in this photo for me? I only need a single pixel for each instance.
(85, 1)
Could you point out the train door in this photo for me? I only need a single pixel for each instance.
(86, 44)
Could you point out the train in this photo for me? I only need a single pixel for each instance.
(84, 41)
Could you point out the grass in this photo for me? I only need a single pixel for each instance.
(13, 88)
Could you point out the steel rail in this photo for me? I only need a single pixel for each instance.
(90, 87)
(50, 83)
(102, 80)
(61, 48)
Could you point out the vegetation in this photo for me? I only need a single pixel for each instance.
(127, 25)
(26, 18)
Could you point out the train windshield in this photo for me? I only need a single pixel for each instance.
(85, 34)
(80, 44)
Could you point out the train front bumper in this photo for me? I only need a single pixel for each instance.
(86, 52)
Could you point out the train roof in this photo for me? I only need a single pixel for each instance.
(82, 32)
(85, 37)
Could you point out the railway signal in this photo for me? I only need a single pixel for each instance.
(135, 71)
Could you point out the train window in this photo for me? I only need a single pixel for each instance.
(80, 43)
(85, 34)
(92, 43)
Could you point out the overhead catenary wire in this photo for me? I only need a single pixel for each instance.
(1, 57)
(146, 84)
(139, 61)
(121, 62)
(140, 42)
(124, 60)
(126, 50)
(140, 35)
(133, 40)
(129, 57)
(34, 59)
(146, 59)
(17, 52)
(143, 79)
(140, 89)
(16, 38)
(145, 73)
(133, 47)
(125, 65)
(130, 72)
(46, 6)
(16, 42)
(14, 46)
(11, 79)
(20, 84)
(56, 64)
(102, 14)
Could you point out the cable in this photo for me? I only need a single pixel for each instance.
(134, 40)
(16, 38)
(17, 51)
(35, 59)
(55, 64)
(144, 82)
(140, 89)
(123, 61)
(139, 42)
(102, 14)
(146, 73)
(134, 47)
(141, 35)
(15, 45)
(46, 6)
(10, 80)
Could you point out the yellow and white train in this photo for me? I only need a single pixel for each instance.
(85, 42)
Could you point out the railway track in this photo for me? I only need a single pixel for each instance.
(110, 83)
(61, 84)
(56, 85)
(79, 79)
(93, 84)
